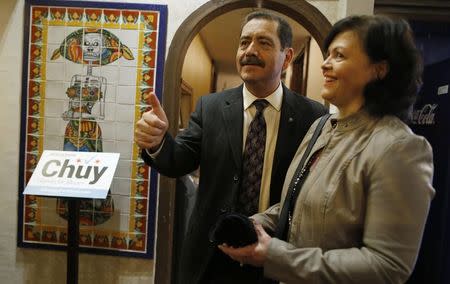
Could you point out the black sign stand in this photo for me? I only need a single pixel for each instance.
(73, 203)
(73, 233)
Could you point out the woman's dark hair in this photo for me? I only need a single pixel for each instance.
(284, 30)
(390, 40)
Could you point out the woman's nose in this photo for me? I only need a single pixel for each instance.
(326, 64)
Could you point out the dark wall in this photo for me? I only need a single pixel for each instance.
(433, 39)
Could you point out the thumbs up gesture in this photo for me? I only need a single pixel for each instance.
(152, 126)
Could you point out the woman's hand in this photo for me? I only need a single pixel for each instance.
(254, 254)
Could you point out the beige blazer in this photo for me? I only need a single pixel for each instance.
(361, 212)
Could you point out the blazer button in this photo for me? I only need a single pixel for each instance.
(236, 178)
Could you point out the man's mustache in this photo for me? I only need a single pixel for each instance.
(252, 61)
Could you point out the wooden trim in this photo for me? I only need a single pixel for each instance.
(299, 78)
(213, 83)
(306, 65)
(185, 103)
(186, 88)
(299, 10)
(415, 10)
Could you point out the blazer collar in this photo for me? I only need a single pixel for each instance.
(289, 123)
(233, 116)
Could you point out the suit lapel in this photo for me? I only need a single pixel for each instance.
(289, 122)
(290, 131)
(233, 117)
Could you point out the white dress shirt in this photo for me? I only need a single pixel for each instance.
(272, 115)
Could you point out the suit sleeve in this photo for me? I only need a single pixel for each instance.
(181, 155)
(399, 193)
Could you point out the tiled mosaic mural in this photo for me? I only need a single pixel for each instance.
(88, 69)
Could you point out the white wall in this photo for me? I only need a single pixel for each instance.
(353, 7)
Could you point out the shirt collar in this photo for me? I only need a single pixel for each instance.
(351, 122)
(275, 99)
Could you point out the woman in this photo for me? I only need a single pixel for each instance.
(361, 212)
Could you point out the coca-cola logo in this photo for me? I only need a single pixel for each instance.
(425, 115)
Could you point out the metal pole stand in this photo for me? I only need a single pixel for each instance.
(73, 233)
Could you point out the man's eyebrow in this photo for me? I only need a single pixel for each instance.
(259, 37)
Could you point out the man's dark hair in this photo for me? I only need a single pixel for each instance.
(284, 29)
(390, 40)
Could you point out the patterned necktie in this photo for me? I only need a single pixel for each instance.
(253, 161)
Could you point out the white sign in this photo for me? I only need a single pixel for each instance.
(443, 90)
(425, 115)
(73, 174)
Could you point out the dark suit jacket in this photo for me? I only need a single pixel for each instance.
(213, 141)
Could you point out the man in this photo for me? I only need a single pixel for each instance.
(216, 138)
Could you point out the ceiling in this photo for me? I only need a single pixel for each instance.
(221, 38)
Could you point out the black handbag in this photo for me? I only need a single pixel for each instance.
(233, 229)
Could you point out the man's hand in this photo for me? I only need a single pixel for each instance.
(254, 254)
(152, 126)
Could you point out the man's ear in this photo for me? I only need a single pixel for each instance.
(289, 54)
(381, 69)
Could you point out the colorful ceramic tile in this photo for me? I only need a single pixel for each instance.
(140, 170)
(57, 16)
(31, 215)
(149, 20)
(32, 143)
(119, 241)
(37, 34)
(130, 19)
(31, 200)
(39, 15)
(33, 125)
(139, 206)
(146, 77)
(35, 89)
(32, 160)
(101, 239)
(144, 95)
(148, 40)
(32, 233)
(137, 242)
(86, 238)
(138, 224)
(111, 18)
(75, 16)
(28, 174)
(148, 58)
(93, 17)
(36, 52)
(139, 188)
(89, 69)
(62, 235)
(36, 71)
(49, 234)
(34, 106)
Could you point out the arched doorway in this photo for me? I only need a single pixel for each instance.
(299, 10)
